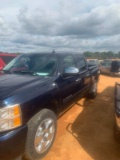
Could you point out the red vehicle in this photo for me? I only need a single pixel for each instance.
(5, 58)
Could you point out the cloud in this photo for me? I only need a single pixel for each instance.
(61, 25)
(100, 21)
(63, 43)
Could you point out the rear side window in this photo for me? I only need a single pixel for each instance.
(81, 63)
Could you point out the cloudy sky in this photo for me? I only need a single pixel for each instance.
(44, 25)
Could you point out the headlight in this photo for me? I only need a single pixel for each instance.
(10, 117)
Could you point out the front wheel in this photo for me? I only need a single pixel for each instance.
(41, 133)
(93, 90)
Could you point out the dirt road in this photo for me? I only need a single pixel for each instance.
(85, 132)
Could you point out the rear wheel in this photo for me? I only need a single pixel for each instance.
(41, 134)
(93, 90)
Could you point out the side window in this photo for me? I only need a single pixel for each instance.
(68, 61)
(81, 63)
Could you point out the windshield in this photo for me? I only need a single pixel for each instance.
(37, 64)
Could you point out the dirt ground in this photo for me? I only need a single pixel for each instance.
(85, 132)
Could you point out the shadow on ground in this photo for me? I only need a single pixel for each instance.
(94, 127)
(111, 75)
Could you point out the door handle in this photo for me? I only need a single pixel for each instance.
(77, 80)
(88, 75)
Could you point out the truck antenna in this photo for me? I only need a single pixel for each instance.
(53, 51)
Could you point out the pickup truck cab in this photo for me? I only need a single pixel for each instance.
(35, 89)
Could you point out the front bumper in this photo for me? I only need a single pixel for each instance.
(12, 143)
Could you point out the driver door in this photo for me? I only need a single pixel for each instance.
(68, 85)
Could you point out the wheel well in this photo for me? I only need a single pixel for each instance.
(53, 106)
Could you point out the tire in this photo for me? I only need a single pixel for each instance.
(93, 91)
(41, 134)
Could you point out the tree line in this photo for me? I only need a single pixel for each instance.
(101, 55)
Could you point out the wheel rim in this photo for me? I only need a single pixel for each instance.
(95, 87)
(44, 135)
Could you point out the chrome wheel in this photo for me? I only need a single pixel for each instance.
(93, 91)
(44, 135)
(94, 88)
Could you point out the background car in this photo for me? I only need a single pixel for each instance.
(5, 58)
(93, 62)
(105, 66)
(110, 67)
(115, 67)
(117, 112)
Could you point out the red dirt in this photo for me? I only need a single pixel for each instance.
(85, 132)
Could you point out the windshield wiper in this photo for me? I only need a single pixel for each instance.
(27, 72)
(10, 71)
(6, 71)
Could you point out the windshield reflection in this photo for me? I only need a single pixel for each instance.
(37, 64)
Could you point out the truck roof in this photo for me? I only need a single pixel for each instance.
(55, 53)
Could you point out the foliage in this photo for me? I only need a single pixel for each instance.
(102, 55)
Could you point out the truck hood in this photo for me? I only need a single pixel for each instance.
(10, 83)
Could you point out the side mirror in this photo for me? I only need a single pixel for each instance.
(71, 71)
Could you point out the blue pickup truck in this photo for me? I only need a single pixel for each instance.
(35, 89)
